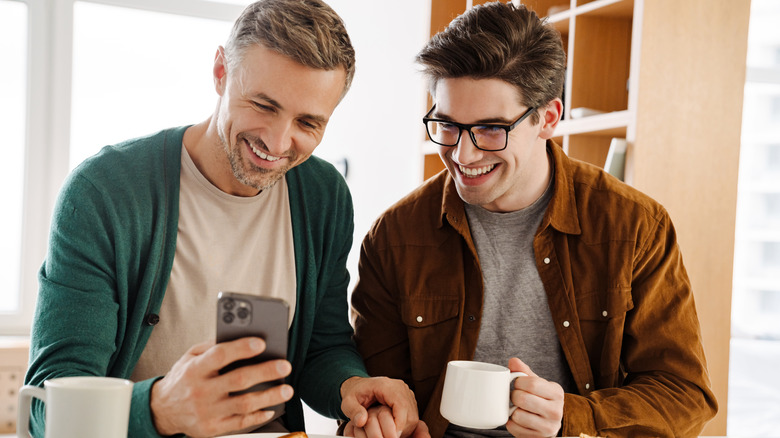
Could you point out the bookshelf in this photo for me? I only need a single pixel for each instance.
(668, 77)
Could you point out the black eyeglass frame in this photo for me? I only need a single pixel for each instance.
(468, 126)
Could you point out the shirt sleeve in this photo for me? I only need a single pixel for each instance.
(81, 317)
(665, 389)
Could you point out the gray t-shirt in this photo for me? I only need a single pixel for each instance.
(516, 319)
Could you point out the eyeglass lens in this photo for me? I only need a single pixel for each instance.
(486, 137)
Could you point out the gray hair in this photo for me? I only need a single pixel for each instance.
(307, 31)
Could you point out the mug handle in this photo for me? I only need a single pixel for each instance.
(512, 377)
(26, 395)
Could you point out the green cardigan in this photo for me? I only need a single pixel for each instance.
(111, 249)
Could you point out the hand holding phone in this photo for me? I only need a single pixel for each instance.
(241, 315)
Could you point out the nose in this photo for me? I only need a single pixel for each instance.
(279, 138)
(466, 152)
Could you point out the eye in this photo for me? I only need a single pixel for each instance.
(308, 125)
(488, 130)
(263, 107)
(447, 128)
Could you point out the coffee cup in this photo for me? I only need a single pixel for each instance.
(476, 394)
(79, 407)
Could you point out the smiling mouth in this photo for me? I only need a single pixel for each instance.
(475, 172)
(262, 154)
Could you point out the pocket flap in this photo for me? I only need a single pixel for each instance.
(602, 306)
(426, 311)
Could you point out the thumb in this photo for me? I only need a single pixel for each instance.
(354, 411)
(516, 365)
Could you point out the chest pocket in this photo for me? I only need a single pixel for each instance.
(602, 321)
(432, 326)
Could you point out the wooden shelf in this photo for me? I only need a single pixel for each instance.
(607, 8)
(613, 124)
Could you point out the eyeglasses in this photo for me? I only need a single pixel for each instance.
(487, 137)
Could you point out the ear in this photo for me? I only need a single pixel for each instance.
(220, 71)
(550, 115)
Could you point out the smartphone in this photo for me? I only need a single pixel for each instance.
(240, 315)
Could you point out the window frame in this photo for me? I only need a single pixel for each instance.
(48, 125)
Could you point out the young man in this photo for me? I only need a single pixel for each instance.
(147, 232)
(520, 256)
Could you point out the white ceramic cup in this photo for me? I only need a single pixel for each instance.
(79, 407)
(476, 394)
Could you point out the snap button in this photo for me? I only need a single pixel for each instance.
(419, 319)
(565, 323)
(604, 313)
(472, 318)
(546, 260)
(587, 386)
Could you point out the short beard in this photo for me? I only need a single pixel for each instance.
(242, 174)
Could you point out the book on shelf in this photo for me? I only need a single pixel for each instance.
(615, 164)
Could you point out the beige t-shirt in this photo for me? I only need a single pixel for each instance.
(224, 243)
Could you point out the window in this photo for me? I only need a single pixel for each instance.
(754, 399)
(136, 72)
(13, 110)
(84, 73)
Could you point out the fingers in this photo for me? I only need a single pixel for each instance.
(421, 431)
(245, 377)
(539, 403)
(200, 348)
(539, 407)
(359, 393)
(378, 424)
(225, 353)
(516, 365)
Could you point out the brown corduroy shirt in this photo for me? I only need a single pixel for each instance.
(618, 293)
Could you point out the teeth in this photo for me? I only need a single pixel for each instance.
(475, 172)
(263, 155)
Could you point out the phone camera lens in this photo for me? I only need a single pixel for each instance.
(229, 304)
(228, 317)
(242, 312)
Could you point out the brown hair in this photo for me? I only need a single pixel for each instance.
(499, 41)
(307, 31)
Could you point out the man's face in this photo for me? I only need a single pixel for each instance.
(272, 115)
(500, 181)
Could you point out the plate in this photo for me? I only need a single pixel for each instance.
(274, 435)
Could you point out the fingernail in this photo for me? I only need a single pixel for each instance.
(283, 367)
(256, 344)
(287, 392)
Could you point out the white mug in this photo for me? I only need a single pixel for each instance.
(79, 407)
(476, 394)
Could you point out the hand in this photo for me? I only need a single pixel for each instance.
(193, 398)
(358, 394)
(380, 424)
(539, 404)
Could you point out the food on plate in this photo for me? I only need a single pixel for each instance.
(295, 435)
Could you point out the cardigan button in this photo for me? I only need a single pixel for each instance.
(419, 319)
(152, 319)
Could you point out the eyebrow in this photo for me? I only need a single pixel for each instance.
(273, 102)
(487, 121)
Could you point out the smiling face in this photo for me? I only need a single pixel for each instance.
(500, 181)
(271, 115)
